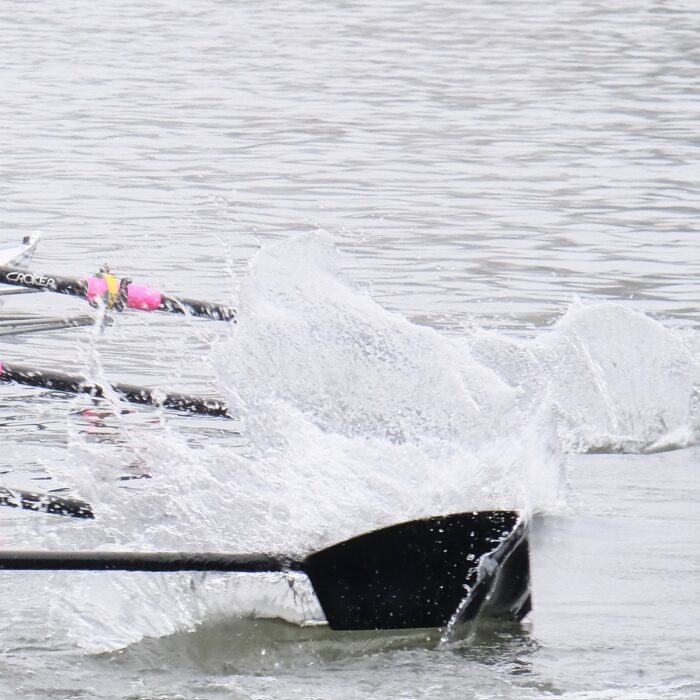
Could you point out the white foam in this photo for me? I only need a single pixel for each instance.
(618, 381)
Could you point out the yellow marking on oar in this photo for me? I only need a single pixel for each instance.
(112, 295)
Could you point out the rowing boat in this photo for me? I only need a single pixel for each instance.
(19, 254)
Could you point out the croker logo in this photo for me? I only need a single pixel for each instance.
(29, 279)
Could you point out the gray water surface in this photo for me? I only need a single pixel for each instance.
(483, 168)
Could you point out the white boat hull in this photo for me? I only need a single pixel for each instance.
(19, 254)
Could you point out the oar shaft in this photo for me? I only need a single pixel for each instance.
(145, 561)
(172, 400)
(137, 296)
(37, 280)
(45, 503)
(75, 384)
(36, 325)
(14, 292)
(193, 307)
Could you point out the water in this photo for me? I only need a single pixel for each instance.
(463, 241)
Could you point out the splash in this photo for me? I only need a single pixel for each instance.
(360, 418)
(355, 418)
(617, 380)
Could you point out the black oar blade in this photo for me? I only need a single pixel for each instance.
(502, 587)
(421, 573)
(45, 503)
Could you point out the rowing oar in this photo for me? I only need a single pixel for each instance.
(422, 573)
(75, 384)
(34, 324)
(45, 503)
(14, 292)
(133, 296)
